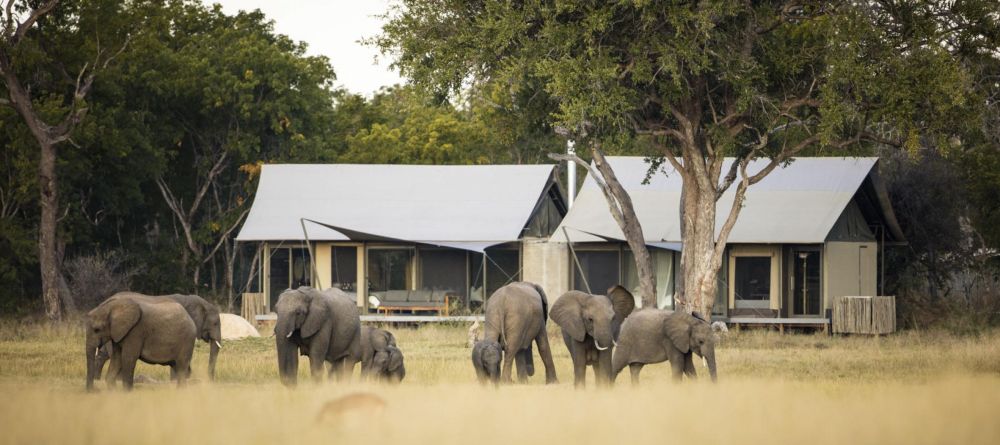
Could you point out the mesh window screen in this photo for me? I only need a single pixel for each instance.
(443, 269)
(753, 278)
(389, 269)
(663, 268)
(502, 267)
(600, 268)
(344, 267)
(301, 267)
(278, 274)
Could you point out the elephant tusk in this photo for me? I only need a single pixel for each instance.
(289, 334)
(219, 344)
(614, 342)
(704, 361)
(598, 345)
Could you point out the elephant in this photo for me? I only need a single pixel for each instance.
(388, 366)
(380, 356)
(516, 315)
(322, 325)
(590, 325)
(486, 357)
(655, 335)
(156, 332)
(206, 320)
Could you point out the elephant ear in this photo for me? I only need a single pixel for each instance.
(622, 302)
(199, 316)
(567, 312)
(123, 314)
(395, 359)
(678, 331)
(318, 314)
(390, 340)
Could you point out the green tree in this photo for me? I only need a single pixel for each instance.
(706, 80)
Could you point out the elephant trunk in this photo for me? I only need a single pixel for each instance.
(603, 338)
(710, 360)
(213, 354)
(288, 360)
(93, 345)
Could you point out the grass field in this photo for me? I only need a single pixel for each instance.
(913, 388)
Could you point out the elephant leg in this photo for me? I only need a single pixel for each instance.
(128, 360)
(634, 368)
(618, 363)
(546, 353)
(579, 356)
(689, 366)
(602, 369)
(317, 356)
(522, 366)
(114, 367)
(508, 364)
(677, 368)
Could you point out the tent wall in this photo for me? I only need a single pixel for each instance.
(548, 265)
(849, 270)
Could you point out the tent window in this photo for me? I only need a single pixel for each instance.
(443, 270)
(502, 268)
(753, 280)
(390, 269)
(290, 269)
(601, 268)
(663, 267)
(476, 280)
(344, 267)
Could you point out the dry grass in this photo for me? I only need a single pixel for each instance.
(909, 388)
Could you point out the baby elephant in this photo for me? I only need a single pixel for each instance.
(388, 365)
(486, 358)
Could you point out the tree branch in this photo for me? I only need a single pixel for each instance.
(37, 13)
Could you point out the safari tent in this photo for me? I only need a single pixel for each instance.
(416, 236)
(809, 232)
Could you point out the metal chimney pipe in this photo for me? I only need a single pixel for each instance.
(571, 173)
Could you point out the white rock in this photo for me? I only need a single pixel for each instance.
(236, 327)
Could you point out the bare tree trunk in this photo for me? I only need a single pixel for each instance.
(699, 272)
(47, 257)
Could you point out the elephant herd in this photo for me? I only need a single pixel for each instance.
(605, 332)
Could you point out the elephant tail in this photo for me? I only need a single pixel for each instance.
(545, 303)
(529, 361)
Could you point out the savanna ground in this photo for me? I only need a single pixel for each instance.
(913, 388)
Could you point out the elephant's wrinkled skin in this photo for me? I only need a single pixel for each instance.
(654, 335)
(590, 325)
(322, 325)
(516, 315)
(156, 332)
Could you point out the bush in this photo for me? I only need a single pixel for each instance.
(93, 278)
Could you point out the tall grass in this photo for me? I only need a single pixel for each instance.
(908, 388)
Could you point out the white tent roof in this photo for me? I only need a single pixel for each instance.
(461, 206)
(799, 203)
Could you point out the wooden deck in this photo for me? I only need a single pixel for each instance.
(396, 318)
(780, 323)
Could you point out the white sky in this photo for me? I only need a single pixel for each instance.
(331, 28)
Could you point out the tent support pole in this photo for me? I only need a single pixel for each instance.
(576, 260)
(312, 255)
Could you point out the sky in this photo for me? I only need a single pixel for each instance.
(332, 28)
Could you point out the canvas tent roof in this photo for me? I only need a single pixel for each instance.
(798, 203)
(469, 207)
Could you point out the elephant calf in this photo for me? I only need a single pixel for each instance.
(380, 356)
(516, 315)
(654, 336)
(486, 357)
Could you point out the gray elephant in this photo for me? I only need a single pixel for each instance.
(387, 365)
(654, 335)
(590, 325)
(322, 325)
(486, 357)
(516, 316)
(380, 356)
(156, 332)
(206, 320)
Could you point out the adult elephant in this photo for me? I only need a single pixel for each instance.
(206, 320)
(322, 325)
(156, 332)
(516, 315)
(654, 335)
(380, 356)
(590, 325)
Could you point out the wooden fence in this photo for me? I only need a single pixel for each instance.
(864, 315)
(254, 304)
